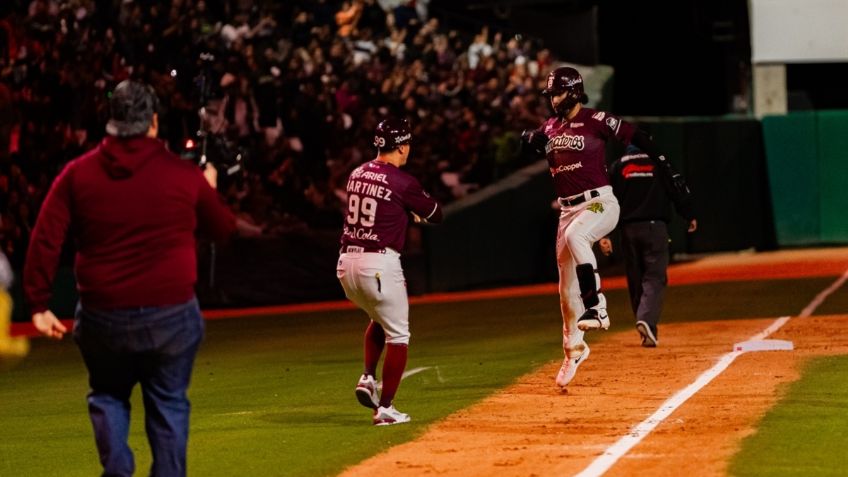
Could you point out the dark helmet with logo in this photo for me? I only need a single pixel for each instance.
(391, 133)
(566, 80)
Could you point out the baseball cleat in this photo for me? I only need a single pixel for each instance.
(649, 336)
(387, 416)
(569, 368)
(593, 319)
(366, 392)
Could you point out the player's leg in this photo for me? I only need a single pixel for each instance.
(632, 263)
(655, 259)
(571, 306)
(392, 311)
(375, 341)
(366, 389)
(594, 220)
(360, 288)
(570, 303)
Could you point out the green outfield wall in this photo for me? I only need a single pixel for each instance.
(808, 173)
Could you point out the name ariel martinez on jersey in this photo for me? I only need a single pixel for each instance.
(356, 186)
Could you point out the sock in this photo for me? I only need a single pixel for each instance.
(393, 368)
(375, 339)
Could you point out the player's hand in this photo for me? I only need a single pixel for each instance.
(693, 226)
(536, 140)
(48, 325)
(605, 245)
(211, 175)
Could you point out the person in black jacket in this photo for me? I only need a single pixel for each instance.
(646, 193)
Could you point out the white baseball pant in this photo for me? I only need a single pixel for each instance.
(580, 226)
(375, 283)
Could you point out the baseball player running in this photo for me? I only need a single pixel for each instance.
(381, 199)
(573, 140)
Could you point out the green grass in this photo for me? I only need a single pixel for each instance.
(274, 395)
(807, 432)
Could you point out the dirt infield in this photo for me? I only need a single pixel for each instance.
(533, 429)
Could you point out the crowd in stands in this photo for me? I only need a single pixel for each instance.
(293, 88)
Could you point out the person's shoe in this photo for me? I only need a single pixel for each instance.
(569, 368)
(593, 319)
(366, 392)
(648, 334)
(387, 416)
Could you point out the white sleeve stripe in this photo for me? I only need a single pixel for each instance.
(434, 210)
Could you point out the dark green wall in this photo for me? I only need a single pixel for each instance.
(808, 173)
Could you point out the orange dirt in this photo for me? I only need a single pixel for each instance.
(533, 429)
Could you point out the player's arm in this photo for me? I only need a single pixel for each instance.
(421, 205)
(534, 142)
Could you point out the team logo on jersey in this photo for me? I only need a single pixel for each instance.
(566, 141)
(613, 123)
(597, 208)
(576, 125)
(599, 115)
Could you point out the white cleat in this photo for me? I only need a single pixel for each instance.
(593, 319)
(569, 368)
(387, 416)
(366, 392)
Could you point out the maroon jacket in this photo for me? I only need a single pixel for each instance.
(132, 208)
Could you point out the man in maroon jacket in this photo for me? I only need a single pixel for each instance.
(132, 208)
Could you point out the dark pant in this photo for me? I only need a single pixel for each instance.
(645, 247)
(154, 346)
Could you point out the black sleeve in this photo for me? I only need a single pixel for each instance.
(673, 181)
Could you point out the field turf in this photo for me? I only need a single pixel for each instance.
(274, 395)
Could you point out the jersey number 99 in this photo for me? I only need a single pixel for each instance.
(362, 210)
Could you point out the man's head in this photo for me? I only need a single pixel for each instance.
(392, 138)
(132, 109)
(565, 89)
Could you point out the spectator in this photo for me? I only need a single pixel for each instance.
(135, 208)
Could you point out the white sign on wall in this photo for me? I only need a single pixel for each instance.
(799, 31)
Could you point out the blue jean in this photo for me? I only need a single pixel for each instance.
(153, 346)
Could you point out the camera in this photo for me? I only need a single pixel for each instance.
(215, 149)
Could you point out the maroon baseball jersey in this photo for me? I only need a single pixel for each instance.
(380, 197)
(575, 149)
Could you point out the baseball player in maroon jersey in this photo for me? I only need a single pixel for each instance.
(573, 140)
(381, 200)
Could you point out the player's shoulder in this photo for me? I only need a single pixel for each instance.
(602, 119)
(592, 115)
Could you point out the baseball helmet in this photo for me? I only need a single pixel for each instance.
(131, 105)
(566, 79)
(391, 133)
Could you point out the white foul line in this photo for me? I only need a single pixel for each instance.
(610, 456)
(819, 299)
(408, 373)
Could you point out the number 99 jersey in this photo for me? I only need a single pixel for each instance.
(380, 198)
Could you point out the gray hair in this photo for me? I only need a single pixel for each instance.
(132, 106)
